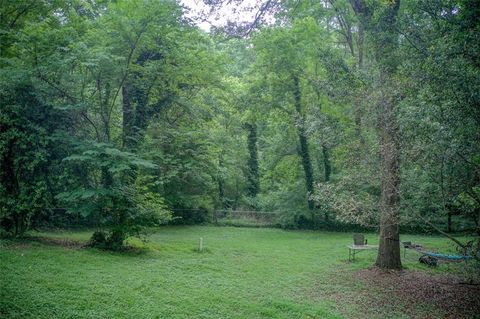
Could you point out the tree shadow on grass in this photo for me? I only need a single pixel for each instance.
(445, 292)
(71, 244)
(30, 241)
(376, 293)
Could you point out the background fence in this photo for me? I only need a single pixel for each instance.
(245, 218)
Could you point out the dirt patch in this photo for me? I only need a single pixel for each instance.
(374, 293)
(63, 242)
(16, 245)
(28, 242)
(448, 293)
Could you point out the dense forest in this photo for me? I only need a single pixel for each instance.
(335, 114)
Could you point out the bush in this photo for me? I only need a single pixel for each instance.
(25, 156)
(122, 200)
(110, 241)
(185, 216)
(98, 239)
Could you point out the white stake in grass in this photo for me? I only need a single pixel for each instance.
(200, 244)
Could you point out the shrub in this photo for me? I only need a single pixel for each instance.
(120, 201)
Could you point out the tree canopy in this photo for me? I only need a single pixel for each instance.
(333, 114)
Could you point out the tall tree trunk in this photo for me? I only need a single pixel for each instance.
(327, 165)
(221, 185)
(304, 151)
(221, 193)
(385, 44)
(135, 121)
(360, 42)
(389, 249)
(130, 138)
(446, 208)
(253, 179)
(358, 108)
(128, 118)
(327, 170)
(362, 13)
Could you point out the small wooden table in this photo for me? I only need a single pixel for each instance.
(352, 250)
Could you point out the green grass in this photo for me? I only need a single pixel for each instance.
(244, 273)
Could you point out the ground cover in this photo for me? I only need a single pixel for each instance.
(242, 273)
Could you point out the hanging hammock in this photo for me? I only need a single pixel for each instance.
(449, 257)
(420, 249)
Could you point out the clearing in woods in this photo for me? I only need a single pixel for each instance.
(242, 273)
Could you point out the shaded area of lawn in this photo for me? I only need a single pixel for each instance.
(457, 299)
(374, 293)
(245, 273)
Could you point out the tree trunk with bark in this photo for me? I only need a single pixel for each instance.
(385, 44)
(128, 118)
(363, 14)
(327, 170)
(253, 178)
(304, 150)
(327, 165)
(221, 185)
(389, 248)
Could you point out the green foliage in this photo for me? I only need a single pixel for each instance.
(26, 156)
(122, 111)
(123, 208)
(96, 64)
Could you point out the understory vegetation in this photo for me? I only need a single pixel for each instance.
(121, 115)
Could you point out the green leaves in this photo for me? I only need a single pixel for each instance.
(103, 155)
(121, 110)
(25, 156)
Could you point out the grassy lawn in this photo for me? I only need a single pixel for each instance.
(244, 273)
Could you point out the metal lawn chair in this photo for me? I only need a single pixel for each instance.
(359, 244)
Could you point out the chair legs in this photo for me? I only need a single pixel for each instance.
(351, 254)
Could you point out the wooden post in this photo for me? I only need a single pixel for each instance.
(200, 245)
